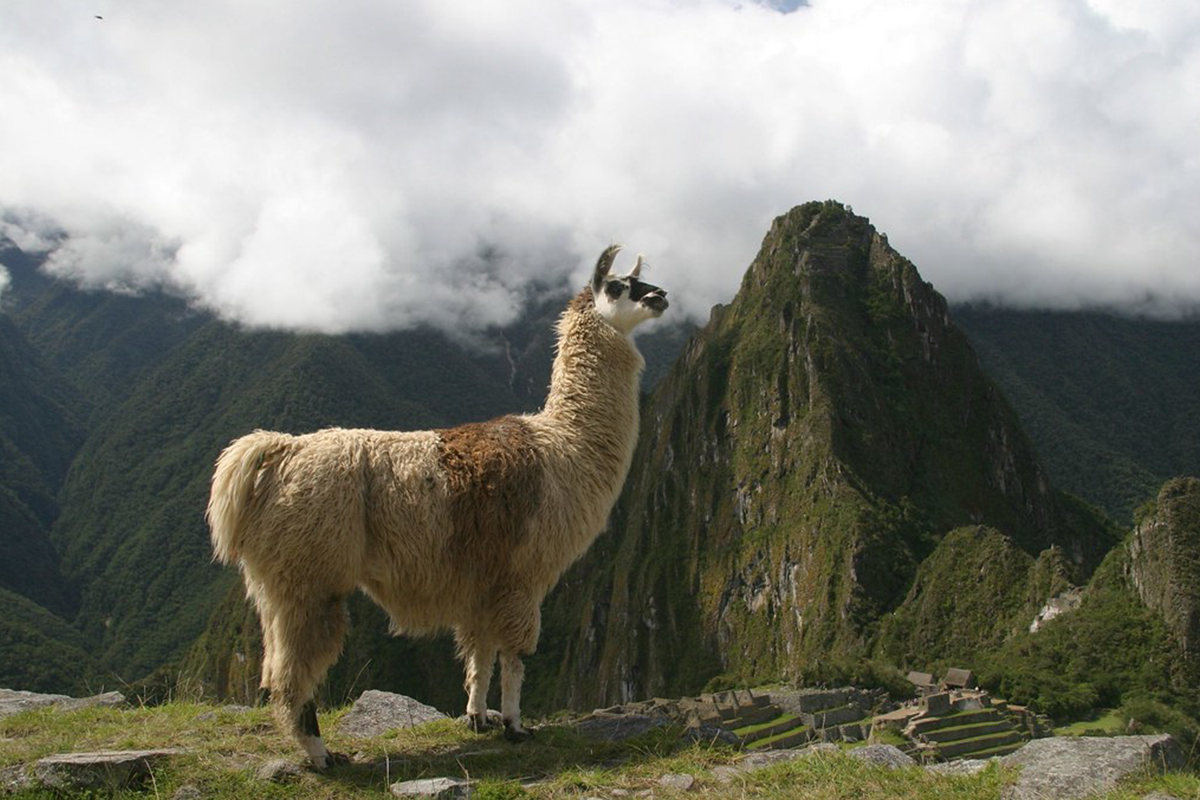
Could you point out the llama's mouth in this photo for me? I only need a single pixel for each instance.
(656, 302)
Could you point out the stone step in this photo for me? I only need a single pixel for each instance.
(1002, 750)
(921, 726)
(969, 747)
(792, 738)
(835, 716)
(777, 725)
(972, 731)
(753, 715)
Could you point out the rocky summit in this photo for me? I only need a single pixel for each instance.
(814, 445)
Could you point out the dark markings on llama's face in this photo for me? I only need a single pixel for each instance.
(639, 291)
(308, 720)
(494, 480)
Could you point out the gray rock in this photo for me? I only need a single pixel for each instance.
(677, 780)
(106, 700)
(105, 771)
(726, 775)
(278, 770)
(711, 734)
(1068, 767)
(1159, 796)
(756, 761)
(964, 766)
(619, 727)
(885, 755)
(375, 713)
(188, 792)
(433, 787)
(13, 701)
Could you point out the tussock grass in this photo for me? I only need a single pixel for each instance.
(225, 748)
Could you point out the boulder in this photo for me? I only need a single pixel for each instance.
(278, 770)
(375, 713)
(433, 787)
(109, 771)
(1068, 767)
(678, 781)
(963, 766)
(13, 701)
(884, 755)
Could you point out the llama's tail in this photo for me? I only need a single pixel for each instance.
(233, 484)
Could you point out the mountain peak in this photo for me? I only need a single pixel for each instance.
(817, 440)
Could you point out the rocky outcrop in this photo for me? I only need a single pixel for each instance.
(1070, 767)
(442, 788)
(375, 713)
(14, 702)
(109, 771)
(1164, 564)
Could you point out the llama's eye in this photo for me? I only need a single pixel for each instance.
(614, 289)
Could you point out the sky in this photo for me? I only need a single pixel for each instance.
(371, 165)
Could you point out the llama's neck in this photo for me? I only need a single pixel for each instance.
(594, 387)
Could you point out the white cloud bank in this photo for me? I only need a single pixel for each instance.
(370, 164)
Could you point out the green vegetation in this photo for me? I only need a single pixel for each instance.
(1109, 650)
(1110, 401)
(1104, 722)
(225, 747)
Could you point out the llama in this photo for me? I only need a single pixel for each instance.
(465, 528)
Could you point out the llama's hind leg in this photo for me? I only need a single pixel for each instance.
(512, 673)
(308, 640)
(481, 661)
(519, 624)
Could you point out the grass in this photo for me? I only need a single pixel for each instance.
(224, 748)
(749, 729)
(1106, 723)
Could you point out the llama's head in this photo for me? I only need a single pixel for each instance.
(624, 301)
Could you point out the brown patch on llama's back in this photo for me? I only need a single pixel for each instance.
(495, 478)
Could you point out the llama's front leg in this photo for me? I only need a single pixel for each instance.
(480, 662)
(512, 672)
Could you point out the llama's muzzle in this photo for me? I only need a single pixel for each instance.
(657, 301)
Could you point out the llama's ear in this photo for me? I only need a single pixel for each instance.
(604, 265)
(637, 268)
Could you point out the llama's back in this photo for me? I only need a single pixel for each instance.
(305, 507)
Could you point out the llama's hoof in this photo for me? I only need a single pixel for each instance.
(329, 760)
(481, 723)
(515, 734)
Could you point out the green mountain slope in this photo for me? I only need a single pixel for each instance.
(39, 435)
(813, 445)
(42, 652)
(1110, 401)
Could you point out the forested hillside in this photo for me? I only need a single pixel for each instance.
(1111, 401)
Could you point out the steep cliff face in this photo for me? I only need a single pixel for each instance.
(1164, 564)
(812, 446)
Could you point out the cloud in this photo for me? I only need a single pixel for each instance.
(5, 279)
(371, 165)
